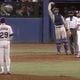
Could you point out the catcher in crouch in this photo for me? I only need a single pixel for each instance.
(59, 24)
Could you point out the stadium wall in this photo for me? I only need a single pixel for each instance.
(26, 29)
(33, 29)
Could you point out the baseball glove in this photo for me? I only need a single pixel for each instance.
(69, 33)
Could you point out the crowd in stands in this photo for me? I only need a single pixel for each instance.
(21, 8)
(20, 0)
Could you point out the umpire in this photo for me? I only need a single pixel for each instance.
(71, 26)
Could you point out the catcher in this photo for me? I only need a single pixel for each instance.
(59, 24)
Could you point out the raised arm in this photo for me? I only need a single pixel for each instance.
(49, 9)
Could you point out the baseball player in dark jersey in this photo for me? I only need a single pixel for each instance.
(59, 23)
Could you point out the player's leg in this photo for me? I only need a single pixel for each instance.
(75, 42)
(71, 44)
(78, 43)
(2, 59)
(7, 57)
(58, 40)
(72, 41)
(64, 39)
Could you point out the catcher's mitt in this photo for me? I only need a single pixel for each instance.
(69, 33)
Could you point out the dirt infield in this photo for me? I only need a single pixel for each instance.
(32, 57)
(32, 77)
(43, 57)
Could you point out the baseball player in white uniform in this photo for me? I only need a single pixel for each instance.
(6, 34)
(60, 31)
(78, 32)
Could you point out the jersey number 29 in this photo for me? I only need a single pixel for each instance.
(3, 34)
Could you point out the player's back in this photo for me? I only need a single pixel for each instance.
(4, 32)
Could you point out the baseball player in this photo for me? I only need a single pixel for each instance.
(78, 32)
(59, 23)
(6, 35)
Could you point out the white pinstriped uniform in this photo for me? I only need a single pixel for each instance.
(5, 31)
(78, 36)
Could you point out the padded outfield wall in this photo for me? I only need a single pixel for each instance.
(32, 29)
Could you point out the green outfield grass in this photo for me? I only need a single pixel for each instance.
(32, 50)
(65, 68)
(70, 68)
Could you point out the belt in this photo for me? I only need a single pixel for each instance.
(72, 28)
(58, 27)
(78, 30)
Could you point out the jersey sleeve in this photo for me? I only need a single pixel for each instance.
(78, 21)
(10, 30)
(10, 33)
(67, 23)
(50, 12)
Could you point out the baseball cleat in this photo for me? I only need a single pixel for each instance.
(8, 73)
(78, 56)
(2, 73)
(58, 53)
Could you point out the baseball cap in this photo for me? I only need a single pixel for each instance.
(2, 20)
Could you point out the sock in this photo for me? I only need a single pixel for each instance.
(8, 68)
(65, 47)
(59, 48)
(2, 68)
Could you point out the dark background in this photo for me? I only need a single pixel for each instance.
(65, 0)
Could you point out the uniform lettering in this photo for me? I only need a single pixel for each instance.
(3, 34)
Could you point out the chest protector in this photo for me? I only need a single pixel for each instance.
(58, 20)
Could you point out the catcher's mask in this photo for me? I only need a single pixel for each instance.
(71, 13)
(55, 10)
